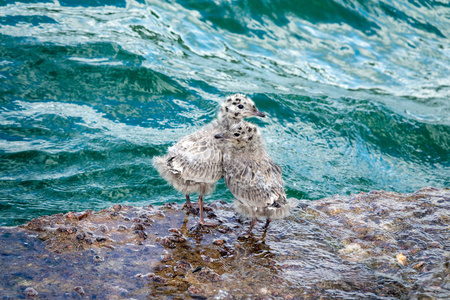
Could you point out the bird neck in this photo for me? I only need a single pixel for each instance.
(253, 148)
(226, 122)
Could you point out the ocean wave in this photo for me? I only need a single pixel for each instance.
(356, 93)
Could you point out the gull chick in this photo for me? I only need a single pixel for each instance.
(194, 163)
(251, 175)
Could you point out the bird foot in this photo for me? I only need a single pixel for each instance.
(191, 205)
(192, 208)
(245, 236)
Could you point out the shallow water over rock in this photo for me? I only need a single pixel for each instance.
(377, 245)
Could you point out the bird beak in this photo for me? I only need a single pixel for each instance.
(259, 114)
(219, 136)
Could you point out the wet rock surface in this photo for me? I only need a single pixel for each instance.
(377, 245)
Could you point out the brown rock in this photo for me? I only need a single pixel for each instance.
(79, 290)
(182, 266)
(218, 242)
(30, 292)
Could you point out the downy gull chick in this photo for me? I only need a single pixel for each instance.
(194, 163)
(251, 175)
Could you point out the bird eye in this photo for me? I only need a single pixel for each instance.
(241, 106)
(236, 134)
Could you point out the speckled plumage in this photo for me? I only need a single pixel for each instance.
(194, 163)
(251, 175)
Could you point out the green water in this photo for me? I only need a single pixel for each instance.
(357, 93)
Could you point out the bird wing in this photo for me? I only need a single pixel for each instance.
(258, 182)
(197, 157)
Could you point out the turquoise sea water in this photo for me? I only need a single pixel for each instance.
(90, 90)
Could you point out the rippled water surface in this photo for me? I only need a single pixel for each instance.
(357, 93)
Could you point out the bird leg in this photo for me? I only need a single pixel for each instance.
(192, 207)
(252, 224)
(188, 201)
(267, 223)
(202, 221)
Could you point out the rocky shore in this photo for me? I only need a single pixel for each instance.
(377, 245)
